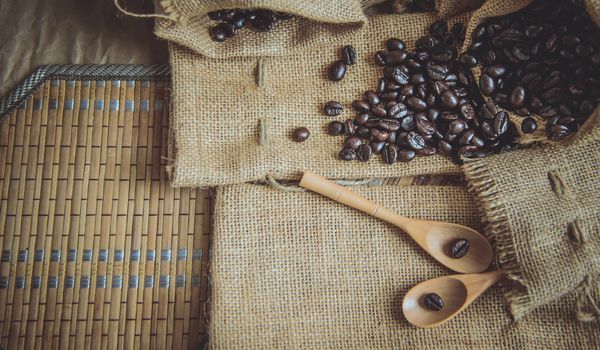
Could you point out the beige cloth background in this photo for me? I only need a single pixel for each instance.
(34, 33)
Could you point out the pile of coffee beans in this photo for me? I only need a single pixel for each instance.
(232, 20)
(337, 70)
(543, 60)
(427, 102)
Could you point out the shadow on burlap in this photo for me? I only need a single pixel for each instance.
(295, 270)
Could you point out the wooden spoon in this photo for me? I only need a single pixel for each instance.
(456, 291)
(435, 237)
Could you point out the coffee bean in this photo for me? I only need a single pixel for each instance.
(445, 147)
(449, 99)
(457, 126)
(333, 108)
(424, 126)
(352, 142)
(416, 103)
(263, 20)
(415, 140)
(396, 74)
(379, 135)
(362, 132)
(393, 44)
(528, 125)
(349, 127)
(389, 154)
(500, 122)
(361, 106)
(433, 302)
(437, 72)
(460, 248)
(517, 97)
(300, 134)
(487, 84)
(349, 55)
(362, 118)
(335, 128)
(371, 97)
(378, 111)
(406, 155)
(364, 152)
(381, 86)
(380, 58)
(389, 124)
(217, 34)
(466, 137)
(397, 110)
(467, 60)
(396, 57)
(377, 146)
(347, 154)
(426, 43)
(336, 71)
(458, 32)
(467, 111)
(496, 71)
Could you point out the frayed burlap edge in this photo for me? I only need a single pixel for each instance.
(496, 223)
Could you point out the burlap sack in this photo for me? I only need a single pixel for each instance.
(298, 271)
(232, 118)
(542, 207)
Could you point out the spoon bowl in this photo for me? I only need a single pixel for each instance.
(456, 291)
(435, 237)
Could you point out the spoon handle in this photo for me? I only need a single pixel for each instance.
(343, 195)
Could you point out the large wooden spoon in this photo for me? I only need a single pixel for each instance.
(456, 291)
(436, 238)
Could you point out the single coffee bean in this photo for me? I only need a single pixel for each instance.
(300, 134)
(467, 60)
(457, 126)
(347, 154)
(371, 97)
(363, 132)
(487, 84)
(466, 137)
(380, 58)
(378, 111)
(496, 71)
(393, 44)
(396, 57)
(426, 151)
(434, 302)
(377, 146)
(396, 74)
(238, 20)
(517, 97)
(336, 71)
(364, 152)
(467, 111)
(352, 142)
(349, 127)
(263, 20)
(389, 154)
(416, 103)
(393, 136)
(381, 86)
(437, 72)
(361, 106)
(460, 248)
(528, 125)
(217, 34)
(397, 110)
(362, 118)
(333, 108)
(445, 147)
(424, 126)
(335, 128)
(415, 140)
(449, 99)
(449, 116)
(406, 155)
(349, 55)
(389, 124)
(379, 135)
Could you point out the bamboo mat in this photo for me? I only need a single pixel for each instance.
(97, 250)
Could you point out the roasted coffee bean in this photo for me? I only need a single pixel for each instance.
(396, 57)
(396, 74)
(557, 132)
(458, 32)
(487, 84)
(457, 126)
(349, 127)
(449, 99)
(336, 71)
(238, 20)
(467, 60)
(217, 34)
(459, 248)
(438, 28)
(300, 134)
(361, 106)
(406, 155)
(364, 152)
(371, 97)
(467, 111)
(553, 95)
(416, 103)
(362, 118)
(335, 128)
(517, 97)
(433, 302)
(347, 154)
(349, 55)
(468, 151)
(377, 146)
(393, 44)
(417, 79)
(389, 124)
(444, 147)
(363, 132)
(415, 140)
(496, 71)
(466, 137)
(352, 142)
(442, 55)
(500, 122)
(397, 110)
(426, 43)
(333, 108)
(381, 86)
(449, 116)
(437, 72)
(389, 154)
(263, 20)
(424, 127)
(379, 135)
(488, 57)
(378, 111)
(380, 58)
(392, 137)
(407, 123)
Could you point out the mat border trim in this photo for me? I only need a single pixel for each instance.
(23, 91)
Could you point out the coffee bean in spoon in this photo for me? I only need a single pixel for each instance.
(433, 302)
(459, 248)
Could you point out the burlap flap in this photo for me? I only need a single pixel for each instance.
(317, 22)
(231, 119)
(298, 271)
(542, 207)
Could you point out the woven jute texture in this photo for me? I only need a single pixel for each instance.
(316, 23)
(542, 207)
(297, 271)
(232, 118)
(97, 250)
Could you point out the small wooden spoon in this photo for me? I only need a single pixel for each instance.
(456, 291)
(435, 237)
